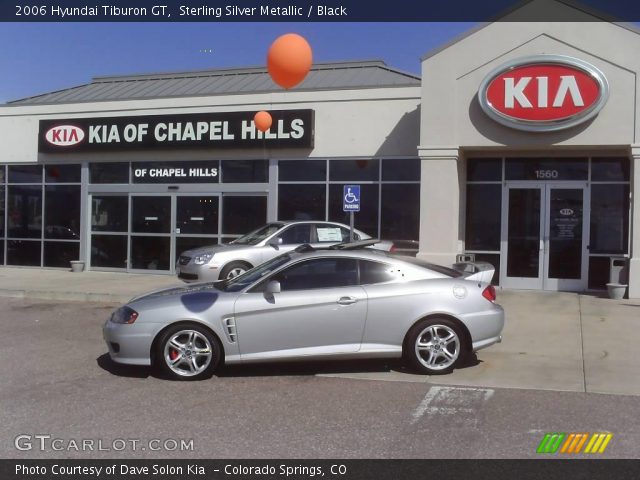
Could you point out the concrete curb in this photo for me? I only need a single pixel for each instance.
(66, 296)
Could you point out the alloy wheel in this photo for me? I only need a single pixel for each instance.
(188, 353)
(437, 347)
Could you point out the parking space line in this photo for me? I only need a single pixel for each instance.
(451, 400)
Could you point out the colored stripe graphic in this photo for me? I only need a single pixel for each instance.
(551, 442)
(573, 442)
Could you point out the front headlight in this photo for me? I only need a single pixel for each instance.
(124, 315)
(202, 259)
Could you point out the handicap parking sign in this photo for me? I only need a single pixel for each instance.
(351, 198)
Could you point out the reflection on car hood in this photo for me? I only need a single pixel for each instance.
(194, 288)
(214, 248)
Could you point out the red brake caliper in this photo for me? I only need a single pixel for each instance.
(173, 354)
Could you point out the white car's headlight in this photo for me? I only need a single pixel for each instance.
(202, 259)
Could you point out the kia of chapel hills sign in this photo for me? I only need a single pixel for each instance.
(290, 129)
(543, 93)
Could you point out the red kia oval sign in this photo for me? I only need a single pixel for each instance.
(64, 135)
(543, 93)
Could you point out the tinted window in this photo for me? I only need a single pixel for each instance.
(350, 170)
(374, 272)
(245, 171)
(109, 251)
(24, 212)
(109, 173)
(109, 213)
(62, 174)
(609, 169)
(62, 212)
(25, 173)
(302, 170)
(546, 169)
(400, 210)
(609, 218)
(301, 202)
(243, 214)
(483, 217)
(296, 234)
(484, 170)
(151, 214)
(59, 254)
(318, 273)
(401, 170)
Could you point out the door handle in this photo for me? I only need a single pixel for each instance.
(347, 300)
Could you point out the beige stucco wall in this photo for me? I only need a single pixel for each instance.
(348, 123)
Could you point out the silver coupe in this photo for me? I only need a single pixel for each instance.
(345, 301)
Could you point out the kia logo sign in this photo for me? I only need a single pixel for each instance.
(566, 212)
(543, 93)
(64, 135)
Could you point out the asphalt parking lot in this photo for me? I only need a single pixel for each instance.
(57, 381)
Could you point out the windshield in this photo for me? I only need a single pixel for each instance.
(250, 276)
(255, 237)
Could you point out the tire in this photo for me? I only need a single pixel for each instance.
(188, 351)
(234, 269)
(435, 346)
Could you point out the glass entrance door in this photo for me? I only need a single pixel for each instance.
(544, 237)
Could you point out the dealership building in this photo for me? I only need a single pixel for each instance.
(518, 145)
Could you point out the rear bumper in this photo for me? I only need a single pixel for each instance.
(485, 327)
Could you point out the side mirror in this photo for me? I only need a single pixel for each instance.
(275, 242)
(272, 287)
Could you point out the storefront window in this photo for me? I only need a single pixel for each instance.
(25, 173)
(483, 217)
(301, 202)
(62, 174)
(197, 215)
(245, 171)
(367, 218)
(609, 218)
(354, 170)
(242, 214)
(109, 213)
(484, 170)
(151, 214)
(62, 212)
(24, 215)
(23, 252)
(546, 169)
(2, 212)
(109, 172)
(150, 253)
(396, 170)
(59, 254)
(609, 169)
(400, 211)
(302, 170)
(109, 251)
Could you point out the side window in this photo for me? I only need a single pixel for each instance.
(326, 232)
(319, 273)
(296, 234)
(375, 272)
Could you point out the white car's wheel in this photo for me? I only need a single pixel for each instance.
(188, 352)
(435, 346)
(234, 269)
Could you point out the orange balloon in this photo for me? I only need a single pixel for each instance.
(263, 121)
(289, 60)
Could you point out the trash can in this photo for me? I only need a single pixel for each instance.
(618, 277)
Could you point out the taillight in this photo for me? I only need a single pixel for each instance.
(489, 293)
(393, 248)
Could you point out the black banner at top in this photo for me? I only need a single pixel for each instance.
(315, 10)
(289, 129)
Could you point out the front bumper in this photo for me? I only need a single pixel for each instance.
(191, 273)
(130, 344)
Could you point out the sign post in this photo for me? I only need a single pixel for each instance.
(351, 204)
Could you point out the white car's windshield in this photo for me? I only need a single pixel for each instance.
(255, 237)
(238, 283)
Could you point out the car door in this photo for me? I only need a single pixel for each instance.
(319, 310)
